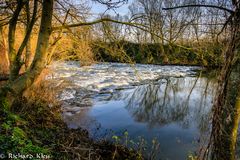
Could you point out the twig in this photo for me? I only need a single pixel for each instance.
(200, 5)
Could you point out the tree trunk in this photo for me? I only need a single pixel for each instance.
(29, 27)
(11, 40)
(18, 86)
(226, 106)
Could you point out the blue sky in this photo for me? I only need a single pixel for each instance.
(99, 8)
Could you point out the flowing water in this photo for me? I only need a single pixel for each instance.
(168, 103)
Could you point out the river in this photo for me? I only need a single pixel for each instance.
(171, 104)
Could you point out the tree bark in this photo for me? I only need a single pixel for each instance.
(4, 63)
(225, 121)
(28, 55)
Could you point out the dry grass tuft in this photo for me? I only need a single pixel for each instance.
(42, 90)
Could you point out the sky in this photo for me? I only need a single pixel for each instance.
(99, 8)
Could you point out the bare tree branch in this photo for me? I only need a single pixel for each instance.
(137, 25)
(112, 3)
(200, 5)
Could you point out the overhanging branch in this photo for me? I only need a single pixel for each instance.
(135, 25)
(102, 20)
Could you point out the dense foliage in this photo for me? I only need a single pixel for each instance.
(150, 53)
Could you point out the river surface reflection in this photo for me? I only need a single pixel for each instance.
(172, 107)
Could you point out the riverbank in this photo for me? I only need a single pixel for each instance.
(33, 128)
